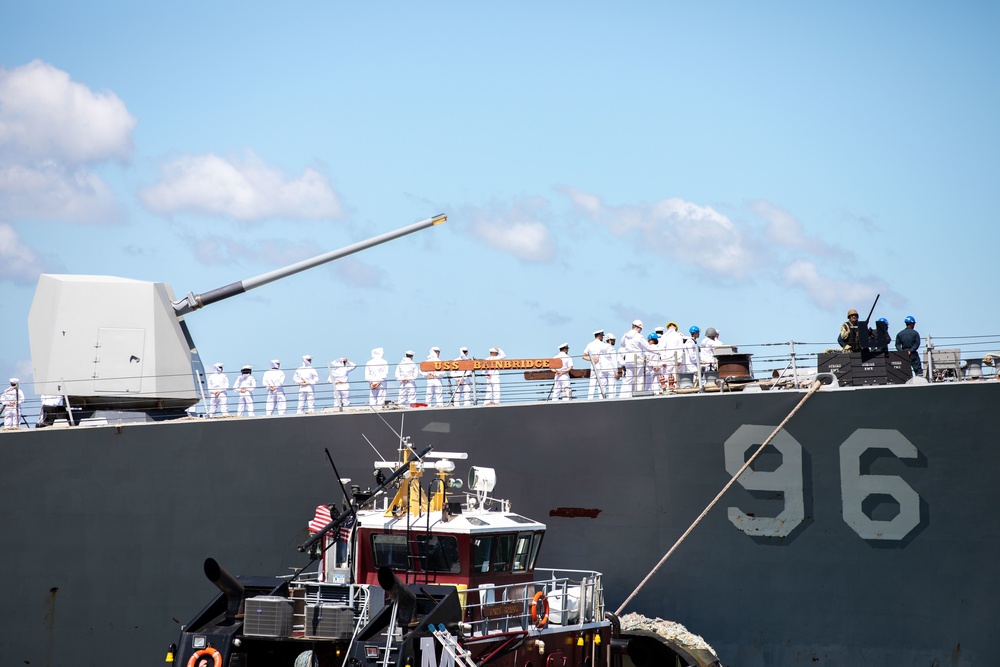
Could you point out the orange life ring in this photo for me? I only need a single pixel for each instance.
(216, 656)
(539, 612)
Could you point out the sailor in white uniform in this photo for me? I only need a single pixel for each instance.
(406, 375)
(376, 372)
(339, 370)
(218, 397)
(463, 381)
(634, 349)
(709, 362)
(274, 380)
(12, 399)
(306, 377)
(560, 388)
(607, 369)
(244, 385)
(434, 395)
(592, 355)
(493, 378)
(654, 364)
(672, 352)
(691, 358)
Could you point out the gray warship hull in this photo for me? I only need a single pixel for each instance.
(863, 537)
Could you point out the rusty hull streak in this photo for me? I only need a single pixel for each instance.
(575, 512)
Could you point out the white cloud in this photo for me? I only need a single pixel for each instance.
(51, 131)
(516, 230)
(244, 189)
(46, 116)
(19, 262)
(50, 192)
(787, 231)
(694, 235)
(833, 293)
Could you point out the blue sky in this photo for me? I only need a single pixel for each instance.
(756, 167)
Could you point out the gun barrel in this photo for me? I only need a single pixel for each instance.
(195, 301)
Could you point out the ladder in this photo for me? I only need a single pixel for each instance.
(450, 644)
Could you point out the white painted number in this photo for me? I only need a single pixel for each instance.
(855, 487)
(788, 479)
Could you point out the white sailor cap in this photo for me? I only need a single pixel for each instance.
(564, 346)
(409, 353)
(218, 367)
(599, 332)
(275, 363)
(247, 368)
(610, 336)
(494, 350)
(307, 357)
(435, 349)
(14, 381)
(658, 330)
(464, 349)
(637, 323)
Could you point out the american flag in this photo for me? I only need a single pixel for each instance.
(321, 519)
(345, 529)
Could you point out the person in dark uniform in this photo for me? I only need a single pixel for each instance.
(908, 340)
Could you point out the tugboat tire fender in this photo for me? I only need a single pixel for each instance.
(216, 657)
(539, 610)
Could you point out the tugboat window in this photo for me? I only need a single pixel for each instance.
(505, 552)
(390, 551)
(522, 552)
(483, 547)
(439, 553)
(535, 543)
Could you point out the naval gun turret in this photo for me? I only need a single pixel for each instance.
(116, 344)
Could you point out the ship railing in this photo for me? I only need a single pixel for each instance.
(789, 363)
(554, 599)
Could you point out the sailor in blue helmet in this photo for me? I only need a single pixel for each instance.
(654, 364)
(908, 340)
(879, 337)
(690, 359)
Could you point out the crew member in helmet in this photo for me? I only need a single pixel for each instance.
(13, 399)
(708, 360)
(306, 377)
(690, 358)
(908, 340)
(655, 381)
(848, 338)
(218, 398)
(879, 337)
(245, 384)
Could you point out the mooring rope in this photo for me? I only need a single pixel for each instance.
(812, 390)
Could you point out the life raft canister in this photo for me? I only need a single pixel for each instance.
(216, 657)
(539, 610)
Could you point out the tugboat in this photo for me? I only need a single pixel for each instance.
(433, 577)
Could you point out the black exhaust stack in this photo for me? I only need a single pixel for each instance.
(230, 587)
